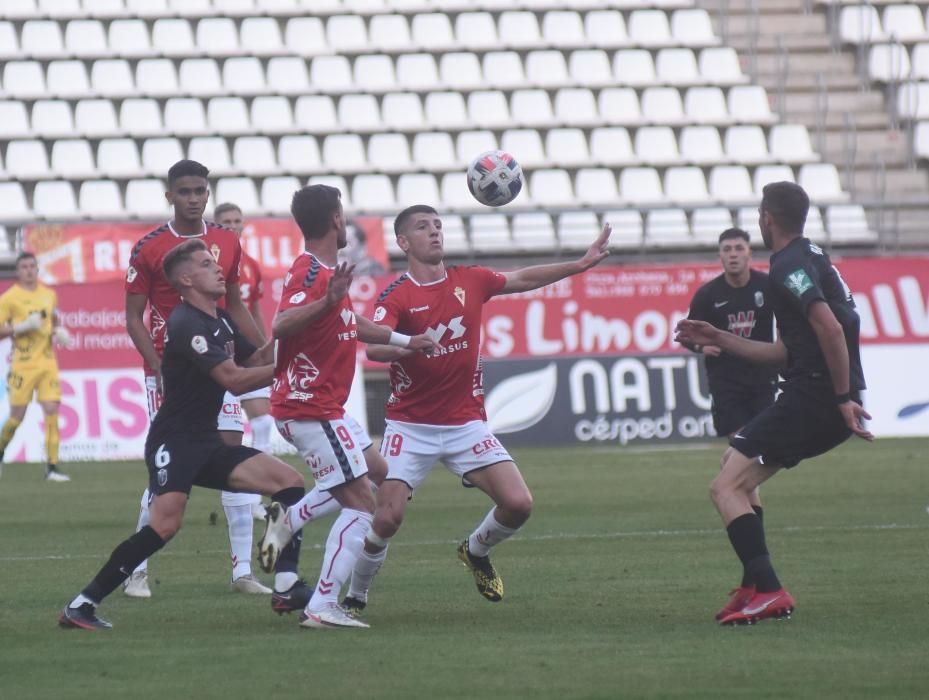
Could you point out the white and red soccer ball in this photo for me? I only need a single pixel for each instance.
(495, 178)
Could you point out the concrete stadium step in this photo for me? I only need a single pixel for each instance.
(774, 23)
(799, 63)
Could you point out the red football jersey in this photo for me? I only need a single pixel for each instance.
(315, 367)
(146, 276)
(446, 388)
(250, 280)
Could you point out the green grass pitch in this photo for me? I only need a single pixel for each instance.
(611, 590)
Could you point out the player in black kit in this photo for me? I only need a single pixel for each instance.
(819, 408)
(736, 301)
(205, 356)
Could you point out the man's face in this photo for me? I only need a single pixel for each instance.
(232, 218)
(189, 197)
(421, 238)
(339, 223)
(205, 275)
(27, 271)
(735, 255)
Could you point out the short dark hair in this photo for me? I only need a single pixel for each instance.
(183, 168)
(179, 255)
(312, 208)
(731, 233)
(25, 255)
(788, 205)
(223, 208)
(408, 212)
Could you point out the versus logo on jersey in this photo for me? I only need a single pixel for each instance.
(198, 343)
(455, 326)
(348, 316)
(798, 282)
(131, 274)
(379, 313)
(298, 297)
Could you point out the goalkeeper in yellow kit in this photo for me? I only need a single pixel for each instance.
(29, 313)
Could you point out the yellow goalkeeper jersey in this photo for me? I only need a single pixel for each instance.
(16, 304)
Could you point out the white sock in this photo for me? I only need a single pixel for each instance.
(312, 506)
(488, 534)
(284, 581)
(346, 538)
(239, 519)
(261, 432)
(80, 600)
(143, 521)
(366, 567)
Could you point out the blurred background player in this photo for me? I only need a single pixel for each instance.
(436, 408)
(29, 314)
(146, 285)
(256, 404)
(736, 301)
(355, 252)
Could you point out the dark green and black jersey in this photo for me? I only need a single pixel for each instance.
(802, 274)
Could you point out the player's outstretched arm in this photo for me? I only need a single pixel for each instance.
(370, 332)
(240, 380)
(262, 356)
(529, 278)
(239, 312)
(386, 353)
(295, 319)
(831, 339)
(689, 331)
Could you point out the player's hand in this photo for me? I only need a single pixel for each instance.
(424, 343)
(32, 322)
(696, 333)
(853, 415)
(712, 350)
(339, 283)
(61, 336)
(598, 250)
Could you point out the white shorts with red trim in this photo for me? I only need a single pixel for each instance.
(360, 434)
(329, 449)
(263, 393)
(412, 449)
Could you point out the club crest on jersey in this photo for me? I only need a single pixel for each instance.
(214, 251)
(298, 297)
(759, 299)
(131, 274)
(199, 344)
(460, 295)
(379, 313)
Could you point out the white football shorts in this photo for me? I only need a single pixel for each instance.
(412, 450)
(328, 448)
(263, 393)
(229, 418)
(360, 434)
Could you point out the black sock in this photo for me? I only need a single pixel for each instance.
(289, 558)
(759, 511)
(126, 557)
(747, 537)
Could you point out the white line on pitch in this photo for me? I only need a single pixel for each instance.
(528, 538)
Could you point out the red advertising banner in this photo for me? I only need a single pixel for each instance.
(608, 310)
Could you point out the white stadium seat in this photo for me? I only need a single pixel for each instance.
(567, 147)
(503, 69)
(677, 67)
(27, 159)
(9, 43)
(434, 151)
(391, 152)
(619, 106)
(490, 232)
(888, 62)
(904, 23)
(344, 153)
(590, 67)
(415, 188)
(747, 145)
(375, 73)
(272, 115)
(156, 77)
(158, 155)
(611, 145)
(628, 229)
(145, 199)
(211, 150)
(847, 222)
(402, 110)
(373, 193)
(656, 145)
(346, 33)
(460, 70)
(185, 115)
(574, 107)
(315, 113)
(85, 38)
(390, 33)
(299, 155)
(41, 39)
(52, 118)
(860, 23)
(54, 200)
(100, 199)
(765, 174)
(288, 75)
(662, 105)
(305, 36)
(14, 122)
(489, 108)
(551, 188)
(814, 228)
(519, 29)
(200, 77)
(470, 144)
(546, 68)
(112, 78)
(244, 76)
(137, 117)
(173, 37)
(596, 186)
(359, 113)
(446, 110)
(692, 27)
(433, 30)
(476, 30)
(701, 145)
(331, 73)
(605, 28)
(821, 182)
(254, 155)
(129, 38)
(640, 186)
(731, 183)
(649, 28)
(455, 194)
(261, 36)
(790, 143)
(226, 115)
(533, 231)
(708, 222)
(706, 105)
(563, 28)
(749, 104)
(685, 185)
(277, 194)
(527, 143)
(217, 36)
(720, 66)
(23, 79)
(666, 227)
(417, 71)
(95, 118)
(73, 159)
(577, 229)
(634, 67)
(67, 79)
(240, 190)
(13, 202)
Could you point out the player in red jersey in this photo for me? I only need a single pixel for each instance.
(146, 285)
(436, 408)
(256, 404)
(317, 334)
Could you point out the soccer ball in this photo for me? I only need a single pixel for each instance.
(495, 178)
